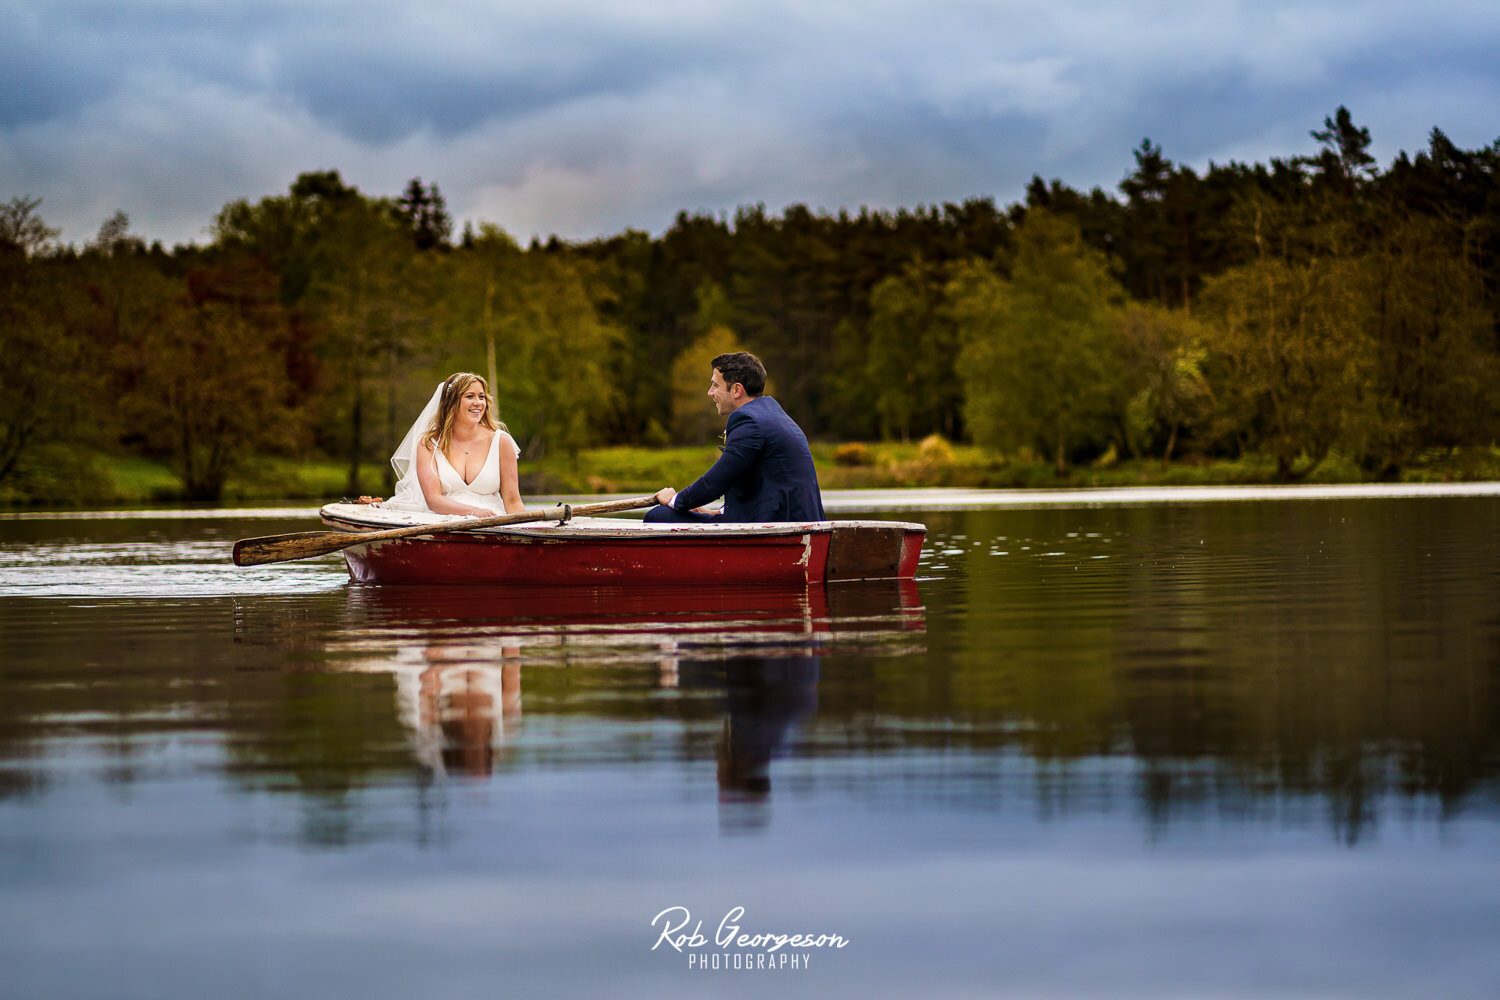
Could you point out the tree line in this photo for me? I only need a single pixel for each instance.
(1290, 309)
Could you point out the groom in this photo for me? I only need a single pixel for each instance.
(765, 473)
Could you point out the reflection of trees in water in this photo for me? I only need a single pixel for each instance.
(1251, 659)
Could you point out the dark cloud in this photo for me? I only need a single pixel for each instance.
(35, 88)
(376, 98)
(365, 69)
(57, 59)
(586, 117)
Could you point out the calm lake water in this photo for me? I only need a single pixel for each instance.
(1246, 749)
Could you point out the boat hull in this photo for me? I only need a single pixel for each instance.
(610, 551)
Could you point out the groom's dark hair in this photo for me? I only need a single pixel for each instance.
(744, 368)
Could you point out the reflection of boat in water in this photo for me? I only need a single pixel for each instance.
(568, 622)
(613, 550)
(457, 656)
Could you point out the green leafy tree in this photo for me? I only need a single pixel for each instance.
(1148, 232)
(288, 232)
(371, 301)
(694, 420)
(361, 296)
(23, 232)
(425, 213)
(555, 354)
(1346, 157)
(910, 350)
(847, 410)
(563, 356)
(1164, 355)
(785, 287)
(119, 291)
(1038, 362)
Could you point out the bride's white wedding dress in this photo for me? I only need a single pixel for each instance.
(482, 491)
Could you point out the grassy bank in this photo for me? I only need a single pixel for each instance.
(94, 480)
(72, 480)
(937, 463)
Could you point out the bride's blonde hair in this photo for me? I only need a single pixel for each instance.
(440, 433)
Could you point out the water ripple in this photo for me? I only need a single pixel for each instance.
(153, 569)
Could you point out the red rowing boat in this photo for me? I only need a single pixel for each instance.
(600, 550)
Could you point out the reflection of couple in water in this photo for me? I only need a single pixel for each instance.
(455, 656)
(455, 701)
(766, 697)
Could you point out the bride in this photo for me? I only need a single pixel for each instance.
(457, 459)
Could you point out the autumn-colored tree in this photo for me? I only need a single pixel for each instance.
(1437, 370)
(40, 357)
(1295, 359)
(207, 379)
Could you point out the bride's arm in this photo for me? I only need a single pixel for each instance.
(510, 476)
(432, 488)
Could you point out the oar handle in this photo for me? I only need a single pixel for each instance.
(305, 544)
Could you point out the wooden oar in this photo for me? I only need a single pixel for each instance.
(303, 544)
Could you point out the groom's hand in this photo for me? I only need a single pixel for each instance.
(665, 496)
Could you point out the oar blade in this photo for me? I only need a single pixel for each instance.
(296, 545)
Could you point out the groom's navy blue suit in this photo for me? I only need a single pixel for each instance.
(765, 473)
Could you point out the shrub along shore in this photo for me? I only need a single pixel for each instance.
(97, 480)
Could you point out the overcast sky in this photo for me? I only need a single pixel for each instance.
(581, 117)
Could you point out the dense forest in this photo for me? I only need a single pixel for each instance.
(1310, 305)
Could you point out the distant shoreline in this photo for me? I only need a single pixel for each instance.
(103, 481)
(937, 498)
